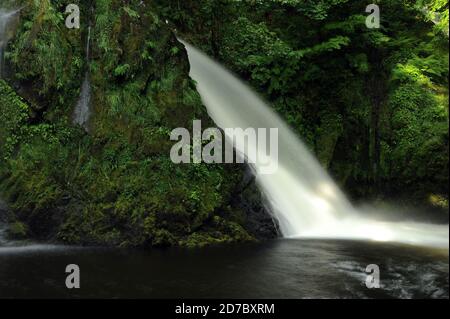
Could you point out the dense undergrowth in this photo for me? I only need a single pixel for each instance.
(117, 184)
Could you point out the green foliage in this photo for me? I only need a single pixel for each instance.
(116, 185)
(48, 53)
(420, 131)
(122, 70)
(14, 113)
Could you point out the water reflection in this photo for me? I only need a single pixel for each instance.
(286, 268)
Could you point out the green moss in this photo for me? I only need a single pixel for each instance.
(438, 201)
(117, 185)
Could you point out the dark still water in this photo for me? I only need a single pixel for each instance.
(277, 269)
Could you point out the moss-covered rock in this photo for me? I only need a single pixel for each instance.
(117, 184)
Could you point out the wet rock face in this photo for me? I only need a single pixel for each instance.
(141, 66)
(260, 223)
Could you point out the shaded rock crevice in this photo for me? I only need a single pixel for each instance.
(260, 222)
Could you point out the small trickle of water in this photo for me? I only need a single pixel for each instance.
(88, 43)
(304, 199)
(82, 110)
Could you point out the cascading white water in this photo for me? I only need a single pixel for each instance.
(302, 196)
(6, 16)
(82, 110)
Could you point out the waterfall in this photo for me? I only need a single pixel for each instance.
(82, 110)
(302, 197)
(6, 17)
(88, 43)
